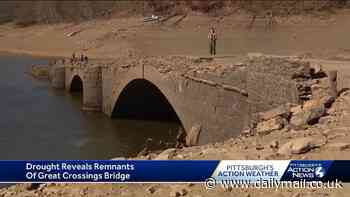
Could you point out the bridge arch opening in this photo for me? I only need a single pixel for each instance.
(76, 85)
(142, 100)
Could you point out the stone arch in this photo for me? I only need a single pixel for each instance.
(196, 104)
(141, 99)
(89, 82)
(167, 86)
(147, 78)
(76, 84)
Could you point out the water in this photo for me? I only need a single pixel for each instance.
(38, 122)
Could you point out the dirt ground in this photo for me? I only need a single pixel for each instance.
(324, 37)
(308, 36)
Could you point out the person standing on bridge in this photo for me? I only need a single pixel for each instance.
(212, 36)
(73, 58)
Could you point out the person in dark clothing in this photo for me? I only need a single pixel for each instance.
(212, 36)
(72, 60)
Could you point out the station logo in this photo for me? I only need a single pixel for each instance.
(306, 170)
(320, 172)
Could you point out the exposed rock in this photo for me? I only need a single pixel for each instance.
(209, 150)
(228, 188)
(9, 193)
(315, 193)
(268, 126)
(335, 135)
(174, 194)
(180, 157)
(325, 120)
(286, 129)
(178, 191)
(151, 189)
(327, 101)
(308, 105)
(255, 55)
(296, 195)
(146, 150)
(302, 72)
(324, 100)
(319, 89)
(181, 138)
(278, 195)
(308, 115)
(339, 146)
(45, 185)
(246, 132)
(315, 68)
(119, 158)
(32, 186)
(84, 191)
(335, 130)
(283, 110)
(274, 144)
(183, 192)
(125, 193)
(191, 184)
(317, 71)
(326, 132)
(298, 146)
(193, 135)
(341, 129)
(203, 59)
(296, 109)
(167, 154)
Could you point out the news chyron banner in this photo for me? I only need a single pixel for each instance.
(120, 171)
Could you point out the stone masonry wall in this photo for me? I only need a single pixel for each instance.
(58, 76)
(219, 99)
(272, 82)
(91, 77)
(197, 102)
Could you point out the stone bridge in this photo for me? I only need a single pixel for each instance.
(212, 99)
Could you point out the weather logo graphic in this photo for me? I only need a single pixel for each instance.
(320, 172)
